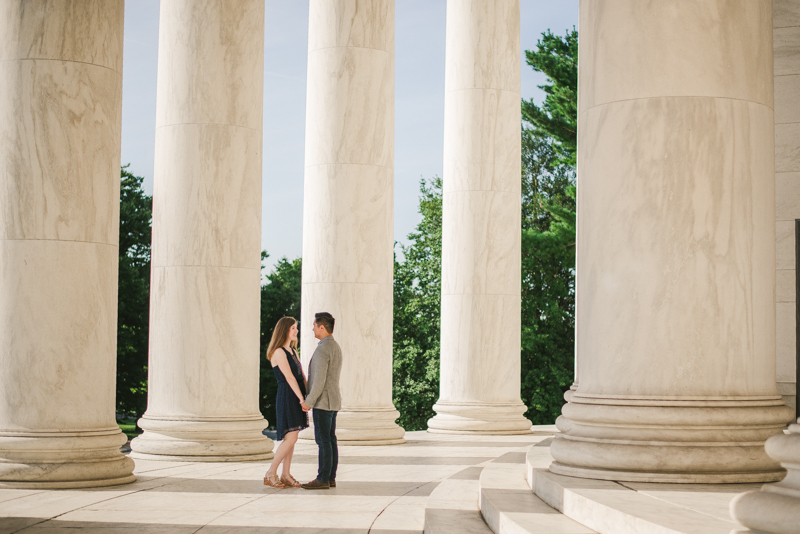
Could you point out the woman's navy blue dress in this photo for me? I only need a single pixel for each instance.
(289, 414)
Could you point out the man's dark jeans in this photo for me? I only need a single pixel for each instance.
(325, 436)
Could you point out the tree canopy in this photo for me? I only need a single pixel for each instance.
(133, 296)
(557, 117)
(417, 305)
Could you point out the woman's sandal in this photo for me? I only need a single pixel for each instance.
(290, 481)
(273, 481)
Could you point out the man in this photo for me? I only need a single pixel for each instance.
(326, 400)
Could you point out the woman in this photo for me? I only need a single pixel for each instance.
(290, 401)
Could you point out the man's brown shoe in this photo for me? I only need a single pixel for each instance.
(332, 483)
(316, 484)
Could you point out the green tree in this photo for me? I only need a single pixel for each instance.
(133, 304)
(557, 117)
(548, 230)
(417, 306)
(280, 297)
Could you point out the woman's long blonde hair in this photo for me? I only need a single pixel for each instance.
(280, 335)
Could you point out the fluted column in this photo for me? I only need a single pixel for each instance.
(204, 308)
(676, 246)
(60, 115)
(480, 347)
(348, 206)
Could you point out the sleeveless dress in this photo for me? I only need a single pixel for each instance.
(288, 413)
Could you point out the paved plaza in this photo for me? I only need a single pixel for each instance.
(380, 489)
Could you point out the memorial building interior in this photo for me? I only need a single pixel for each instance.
(683, 414)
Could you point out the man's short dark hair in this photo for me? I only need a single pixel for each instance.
(325, 319)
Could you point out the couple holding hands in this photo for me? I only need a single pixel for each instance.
(293, 403)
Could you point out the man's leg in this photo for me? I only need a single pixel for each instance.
(322, 425)
(334, 447)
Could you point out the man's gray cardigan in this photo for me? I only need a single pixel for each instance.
(323, 376)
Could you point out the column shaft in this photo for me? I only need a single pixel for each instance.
(204, 315)
(676, 246)
(60, 115)
(348, 206)
(481, 280)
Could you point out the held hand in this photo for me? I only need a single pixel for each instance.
(304, 406)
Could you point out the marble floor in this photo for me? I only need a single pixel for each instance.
(379, 489)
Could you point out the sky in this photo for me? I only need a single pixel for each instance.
(419, 102)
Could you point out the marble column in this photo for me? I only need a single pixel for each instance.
(480, 346)
(204, 309)
(676, 246)
(60, 116)
(348, 211)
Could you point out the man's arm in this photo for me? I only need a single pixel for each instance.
(319, 369)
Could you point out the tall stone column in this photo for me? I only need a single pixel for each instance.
(480, 351)
(348, 206)
(60, 116)
(204, 308)
(676, 246)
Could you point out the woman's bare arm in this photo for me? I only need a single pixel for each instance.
(283, 364)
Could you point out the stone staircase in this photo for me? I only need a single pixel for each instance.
(453, 506)
(496, 496)
(509, 506)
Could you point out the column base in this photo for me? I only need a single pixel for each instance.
(364, 426)
(174, 439)
(55, 460)
(775, 509)
(485, 419)
(656, 440)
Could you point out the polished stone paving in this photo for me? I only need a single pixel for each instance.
(380, 489)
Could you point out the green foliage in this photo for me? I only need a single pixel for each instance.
(557, 117)
(280, 297)
(548, 282)
(417, 305)
(134, 294)
(548, 231)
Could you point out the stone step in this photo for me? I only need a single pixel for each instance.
(510, 507)
(452, 508)
(634, 507)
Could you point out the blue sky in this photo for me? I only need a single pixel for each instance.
(419, 102)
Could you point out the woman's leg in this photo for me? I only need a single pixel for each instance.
(280, 454)
(289, 441)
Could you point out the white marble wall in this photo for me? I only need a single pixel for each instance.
(205, 296)
(676, 245)
(480, 350)
(786, 39)
(348, 206)
(60, 115)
